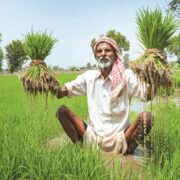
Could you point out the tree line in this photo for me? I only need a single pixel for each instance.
(15, 55)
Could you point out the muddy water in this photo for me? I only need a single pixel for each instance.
(138, 106)
(133, 162)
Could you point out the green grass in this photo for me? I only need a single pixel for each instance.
(165, 135)
(26, 127)
(177, 77)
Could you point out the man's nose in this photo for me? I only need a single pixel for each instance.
(103, 53)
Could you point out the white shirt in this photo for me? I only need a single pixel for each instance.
(106, 117)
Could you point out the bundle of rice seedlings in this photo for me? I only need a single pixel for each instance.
(38, 78)
(155, 33)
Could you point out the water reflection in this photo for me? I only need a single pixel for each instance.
(138, 106)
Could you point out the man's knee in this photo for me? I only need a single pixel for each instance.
(146, 118)
(61, 110)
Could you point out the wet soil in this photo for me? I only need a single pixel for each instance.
(121, 163)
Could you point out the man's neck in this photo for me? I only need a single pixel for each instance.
(106, 71)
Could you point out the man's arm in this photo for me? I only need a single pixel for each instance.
(76, 87)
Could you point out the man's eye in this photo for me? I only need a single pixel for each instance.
(99, 51)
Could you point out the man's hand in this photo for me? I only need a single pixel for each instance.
(62, 92)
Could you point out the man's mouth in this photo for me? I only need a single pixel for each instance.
(104, 59)
(104, 62)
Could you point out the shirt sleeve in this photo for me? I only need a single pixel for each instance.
(77, 87)
(136, 88)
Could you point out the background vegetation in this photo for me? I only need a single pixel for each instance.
(15, 55)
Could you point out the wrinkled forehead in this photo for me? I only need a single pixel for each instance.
(104, 45)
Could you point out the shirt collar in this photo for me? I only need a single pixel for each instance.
(98, 75)
(110, 76)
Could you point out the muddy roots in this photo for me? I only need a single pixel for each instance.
(152, 68)
(38, 79)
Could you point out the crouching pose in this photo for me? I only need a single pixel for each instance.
(109, 91)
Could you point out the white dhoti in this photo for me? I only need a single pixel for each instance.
(115, 142)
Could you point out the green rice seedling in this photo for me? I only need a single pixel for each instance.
(155, 33)
(38, 78)
(164, 134)
(24, 134)
(177, 77)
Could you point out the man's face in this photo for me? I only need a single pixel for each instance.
(105, 55)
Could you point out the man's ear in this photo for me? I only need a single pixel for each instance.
(115, 57)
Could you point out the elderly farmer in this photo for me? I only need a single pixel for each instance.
(109, 91)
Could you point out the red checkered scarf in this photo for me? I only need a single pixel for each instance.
(118, 65)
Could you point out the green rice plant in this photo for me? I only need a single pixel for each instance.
(38, 45)
(24, 153)
(164, 138)
(177, 78)
(169, 170)
(154, 31)
(24, 134)
(38, 78)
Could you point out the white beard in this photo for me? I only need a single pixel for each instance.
(104, 62)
